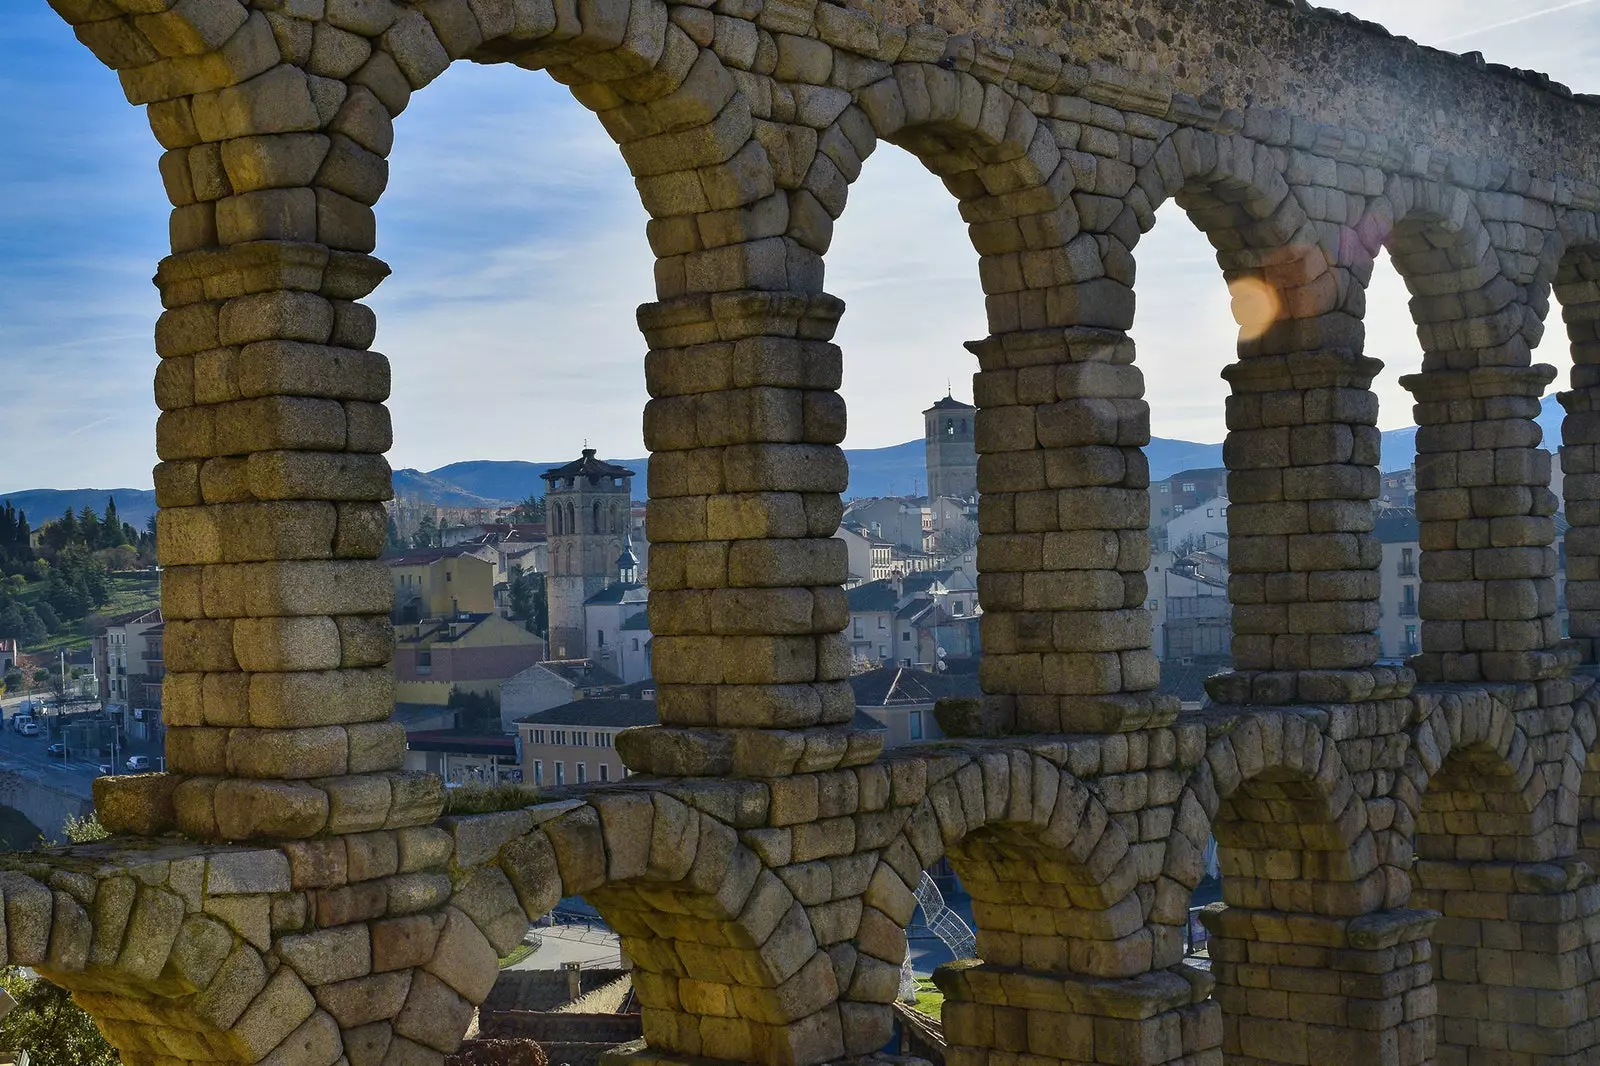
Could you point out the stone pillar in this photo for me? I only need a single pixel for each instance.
(1483, 498)
(993, 1013)
(1514, 967)
(746, 602)
(1580, 463)
(1577, 287)
(278, 641)
(1064, 516)
(1302, 456)
(1305, 990)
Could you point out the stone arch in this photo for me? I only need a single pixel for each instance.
(1284, 249)
(1294, 834)
(1488, 611)
(1052, 875)
(1474, 789)
(727, 962)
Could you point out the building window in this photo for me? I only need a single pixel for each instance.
(958, 608)
(600, 637)
(1211, 512)
(1188, 486)
(858, 628)
(558, 737)
(561, 773)
(605, 771)
(538, 771)
(583, 772)
(424, 661)
(635, 643)
(916, 725)
(538, 736)
(883, 623)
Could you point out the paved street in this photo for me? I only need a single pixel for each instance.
(27, 754)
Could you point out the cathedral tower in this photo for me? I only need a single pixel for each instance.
(588, 511)
(952, 453)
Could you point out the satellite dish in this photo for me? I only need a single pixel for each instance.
(941, 653)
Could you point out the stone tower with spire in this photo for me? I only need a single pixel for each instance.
(588, 512)
(952, 453)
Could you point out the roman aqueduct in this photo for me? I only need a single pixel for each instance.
(1408, 853)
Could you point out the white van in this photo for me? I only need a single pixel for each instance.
(28, 727)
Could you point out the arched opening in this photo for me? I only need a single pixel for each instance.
(1492, 839)
(1309, 884)
(1478, 456)
(1186, 335)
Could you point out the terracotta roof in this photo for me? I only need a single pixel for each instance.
(950, 403)
(589, 467)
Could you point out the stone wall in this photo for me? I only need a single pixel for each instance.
(1404, 849)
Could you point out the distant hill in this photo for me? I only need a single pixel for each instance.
(896, 470)
(135, 506)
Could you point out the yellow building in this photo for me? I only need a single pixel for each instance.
(466, 652)
(442, 582)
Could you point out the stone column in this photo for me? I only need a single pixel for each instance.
(746, 602)
(1580, 463)
(1514, 969)
(1304, 990)
(1302, 455)
(277, 640)
(993, 1013)
(1483, 497)
(1577, 288)
(1064, 514)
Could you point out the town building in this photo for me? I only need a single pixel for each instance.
(1202, 526)
(466, 653)
(619, 607)
(1180, 494)
(589, 516)
(464, 757)
(574, 742)
(1400, 582)
(952, 454)
(921, 620)
(1195, 616)
(551, 684)
(443, 582)
(129, 647)
(901, 700)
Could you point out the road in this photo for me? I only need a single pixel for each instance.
(27, 754)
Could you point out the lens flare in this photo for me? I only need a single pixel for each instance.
(1256, 306)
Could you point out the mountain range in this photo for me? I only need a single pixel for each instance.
(896, 470)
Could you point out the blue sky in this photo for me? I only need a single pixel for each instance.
(519, 254)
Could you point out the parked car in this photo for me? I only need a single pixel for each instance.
(106, 769)
(28, 728)
(138, 762)
(57, 749)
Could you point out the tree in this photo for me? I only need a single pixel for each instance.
(14, 680)
(427, 533)
(957, 538)
(530, 510)
(46, 1023)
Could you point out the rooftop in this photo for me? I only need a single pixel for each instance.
(581, 672)
(587, 467)
(893, 686)
(950, 403)
(621, 592)
(873, 596)
(423, 556)
(1397, 525)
